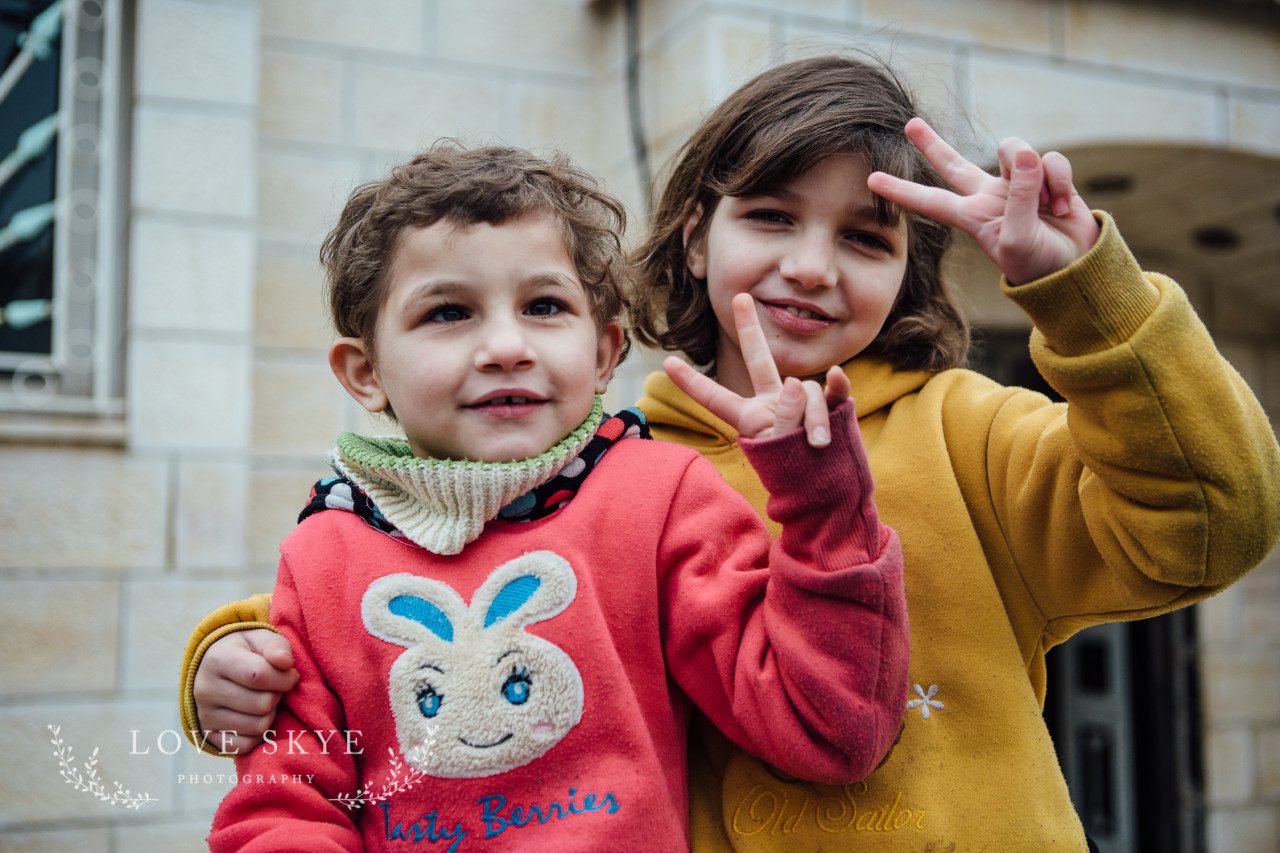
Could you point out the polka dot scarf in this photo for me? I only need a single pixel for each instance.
(543, 500)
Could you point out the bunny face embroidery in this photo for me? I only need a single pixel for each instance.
(473, 693)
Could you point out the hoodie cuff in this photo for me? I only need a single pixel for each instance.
(821, 497)
(1094, 303)
(238, 616)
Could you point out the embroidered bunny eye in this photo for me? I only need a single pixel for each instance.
(429, 701)
(516, 688)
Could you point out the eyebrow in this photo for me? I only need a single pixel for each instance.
(862, 211)
(555, 281)
(432, 289)
(450, 287)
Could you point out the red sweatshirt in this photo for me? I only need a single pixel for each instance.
(533, 691)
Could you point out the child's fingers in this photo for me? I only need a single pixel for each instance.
(755, 349)
(817, 423)
(273, 647)
(1058, 180)
(1022, 208)
(933, 202)
(1007, 152)
(233, 734)
(246, 665)
(954, 168)
(228, 695)
(838, 388)
(790, 413)
(225, 722)
(705, 391)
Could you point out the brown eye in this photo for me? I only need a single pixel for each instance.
(775, 217)
(446, 314)
(870, 241)
(544, 307)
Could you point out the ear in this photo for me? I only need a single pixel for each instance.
(530, 588)
(408, 610)
(695, 251)
(350, 361)
(608, 349)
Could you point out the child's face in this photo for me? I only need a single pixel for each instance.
(824, 275)
(485, 344)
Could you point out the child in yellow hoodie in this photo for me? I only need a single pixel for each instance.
(1022, 520)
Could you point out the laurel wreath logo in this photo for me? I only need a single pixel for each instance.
(86, 778)
(400, 778)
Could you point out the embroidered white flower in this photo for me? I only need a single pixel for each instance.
(926, 700)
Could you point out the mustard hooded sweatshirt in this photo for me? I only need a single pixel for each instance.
(1022, 521)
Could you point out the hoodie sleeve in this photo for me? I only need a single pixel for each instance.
(795, 649)
(281, 799)
(245, 615)
(1158, 483)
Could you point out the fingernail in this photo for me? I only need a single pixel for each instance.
(820, 436)
(1026, 160)
(1061, 207)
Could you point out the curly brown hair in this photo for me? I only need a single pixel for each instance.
(468, 186)
(767, 133)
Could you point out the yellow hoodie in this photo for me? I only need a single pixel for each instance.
(1022, 522)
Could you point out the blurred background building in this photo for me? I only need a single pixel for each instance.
(165, 402)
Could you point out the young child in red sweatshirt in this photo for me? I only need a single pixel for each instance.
(501, 622)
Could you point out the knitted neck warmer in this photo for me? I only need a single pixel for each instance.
(442, 504)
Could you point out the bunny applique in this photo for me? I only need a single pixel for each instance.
(473, 693)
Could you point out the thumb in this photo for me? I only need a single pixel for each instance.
(274, 648)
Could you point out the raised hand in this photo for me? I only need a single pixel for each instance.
(1029, 220)
(778, 406)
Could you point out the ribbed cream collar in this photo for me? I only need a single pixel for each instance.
(442, 504)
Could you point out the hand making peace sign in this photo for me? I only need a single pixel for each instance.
(1029, 219)
(778, 406)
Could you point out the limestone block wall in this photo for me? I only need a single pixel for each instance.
(111, 550)
(251, 122)
(253, 119)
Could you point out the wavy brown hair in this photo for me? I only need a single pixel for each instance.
(767, 133)
(468, 186)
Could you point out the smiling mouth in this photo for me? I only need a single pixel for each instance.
(500, 740)
(512, 400)
(796, 311)
(792, 319)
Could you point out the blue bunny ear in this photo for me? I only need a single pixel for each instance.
(511, 598)
(423, 611)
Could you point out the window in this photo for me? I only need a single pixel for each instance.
(61, 216)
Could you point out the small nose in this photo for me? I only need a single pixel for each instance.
(810, 262)
(504, 346)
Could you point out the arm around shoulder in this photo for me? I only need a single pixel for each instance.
(287, 789)
(247, 614)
